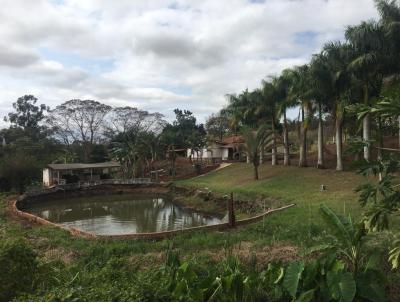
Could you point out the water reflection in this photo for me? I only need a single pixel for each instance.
(121, 214)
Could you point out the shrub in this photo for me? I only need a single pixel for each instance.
(18, 265)
(18, 171)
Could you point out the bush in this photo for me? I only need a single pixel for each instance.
(18, 265)
(18, 171)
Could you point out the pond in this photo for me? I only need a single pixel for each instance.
(120, 214)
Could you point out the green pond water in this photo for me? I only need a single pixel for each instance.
(120, 214)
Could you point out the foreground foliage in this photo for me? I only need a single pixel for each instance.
(334, 273)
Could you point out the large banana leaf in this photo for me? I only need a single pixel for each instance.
(292, 277)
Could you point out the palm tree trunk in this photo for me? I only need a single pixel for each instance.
(261, 155)
(286, 155)
(398, 120)
(366, 127)
(255, 171)
(320, 164)
(274, 151)
(380, 138)
(339, 147)
(303, 142)
(366, 136)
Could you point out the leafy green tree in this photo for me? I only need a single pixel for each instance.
(184, 132)
(28, 116)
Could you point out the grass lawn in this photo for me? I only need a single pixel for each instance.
(300, 225)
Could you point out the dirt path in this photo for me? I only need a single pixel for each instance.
(221, 166)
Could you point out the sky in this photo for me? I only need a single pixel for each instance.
(158, 55)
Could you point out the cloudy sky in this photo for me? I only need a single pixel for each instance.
(158, 55)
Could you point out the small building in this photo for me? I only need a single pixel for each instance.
(229, 148)
(57, 174)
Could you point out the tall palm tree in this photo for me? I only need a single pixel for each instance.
(256, 140)
(338, 56)
(390, 20)
(366, 41)
(284, 84)
(271, 95)
(300, 92)
(321, 90)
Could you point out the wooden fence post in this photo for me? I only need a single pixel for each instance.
(231, 212)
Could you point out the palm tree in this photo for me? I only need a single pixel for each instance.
(284, 84)
(256, 140)
(271, 95)
(322, 92)
(338, 55)
(244, 109)
(366, 41)
(390, 20)
(299, 91)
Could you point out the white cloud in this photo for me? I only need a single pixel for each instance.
(163, 54)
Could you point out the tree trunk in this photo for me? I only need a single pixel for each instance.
(303, 142)
(261, 155)
(338, 139)
(380, 138)
(274, 152)
(320, 164)
(286, 155)
(398, 119)
(255, 172)
(366, 136)
(366, 127)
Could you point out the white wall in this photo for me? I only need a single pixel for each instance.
(225, 153)
(46, 177)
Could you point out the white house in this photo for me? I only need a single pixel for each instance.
(230, 148)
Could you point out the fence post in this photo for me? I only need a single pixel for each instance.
(231, 212)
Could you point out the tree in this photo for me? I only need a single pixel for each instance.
(272, 95)
(184, 132)
(17, 171)
(217, 125)
(284, 84)
(27, 115)
(299, 91)
(338, 56)
(256, 140)
(321, 90)
(80, 121)
(366, 41)
(123, 119)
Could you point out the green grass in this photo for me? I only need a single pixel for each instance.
(302, 224)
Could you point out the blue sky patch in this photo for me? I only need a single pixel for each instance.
(305, 37)
(91, 65)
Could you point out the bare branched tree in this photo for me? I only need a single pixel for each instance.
(80, 121)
